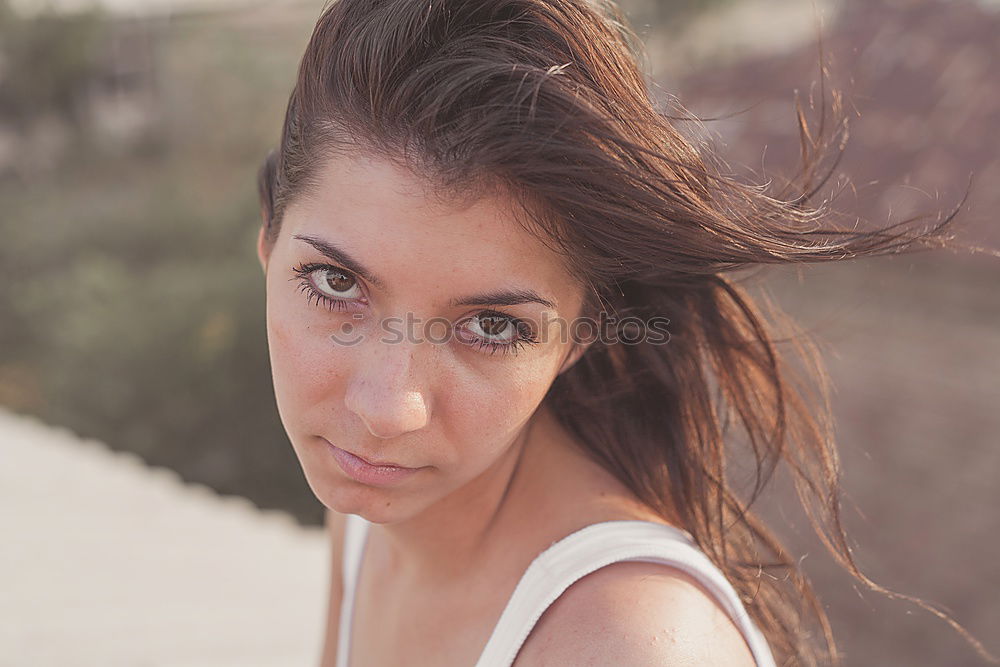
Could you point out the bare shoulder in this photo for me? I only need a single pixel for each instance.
(635, 613)
(335, 522)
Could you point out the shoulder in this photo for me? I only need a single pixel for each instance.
(635, 613)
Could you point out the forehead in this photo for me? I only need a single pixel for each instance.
(392, 221)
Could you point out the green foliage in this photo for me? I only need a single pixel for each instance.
(47, 60)
(131, 300)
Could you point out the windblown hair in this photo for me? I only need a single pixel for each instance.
(545, 100)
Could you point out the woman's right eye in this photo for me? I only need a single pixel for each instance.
(332, 286)
(334, 283)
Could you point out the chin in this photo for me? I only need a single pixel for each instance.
(377, 505)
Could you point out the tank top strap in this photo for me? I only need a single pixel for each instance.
(355, 534)
(593, 547)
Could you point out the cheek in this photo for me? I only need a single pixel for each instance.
(307, 370)
(487, 407)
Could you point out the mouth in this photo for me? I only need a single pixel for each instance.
(368, 471)
(380, 464)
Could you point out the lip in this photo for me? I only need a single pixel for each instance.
(367, 472)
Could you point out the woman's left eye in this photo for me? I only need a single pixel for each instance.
(494, 331)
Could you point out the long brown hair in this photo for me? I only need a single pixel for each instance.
(545, 99)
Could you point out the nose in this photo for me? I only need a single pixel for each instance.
(385, 390)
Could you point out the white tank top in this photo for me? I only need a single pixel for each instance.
(557, 567)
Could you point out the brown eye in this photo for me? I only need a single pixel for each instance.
(493, 325)
(335, 283)
(339, 282)
(494, 328)
(493, 331)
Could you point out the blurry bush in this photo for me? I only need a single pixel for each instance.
(131, 301)
(47, 60)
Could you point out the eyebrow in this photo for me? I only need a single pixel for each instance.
(507, 297)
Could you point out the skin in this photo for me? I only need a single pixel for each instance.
(453, 535)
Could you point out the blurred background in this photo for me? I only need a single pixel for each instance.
(134, 379)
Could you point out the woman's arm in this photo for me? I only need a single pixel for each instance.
(335, 531)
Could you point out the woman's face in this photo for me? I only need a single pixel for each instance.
(393, 336)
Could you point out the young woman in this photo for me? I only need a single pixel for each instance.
(506, 349)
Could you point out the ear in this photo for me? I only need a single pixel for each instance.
(262, 249)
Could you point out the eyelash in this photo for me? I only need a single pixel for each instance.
(302, 272)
